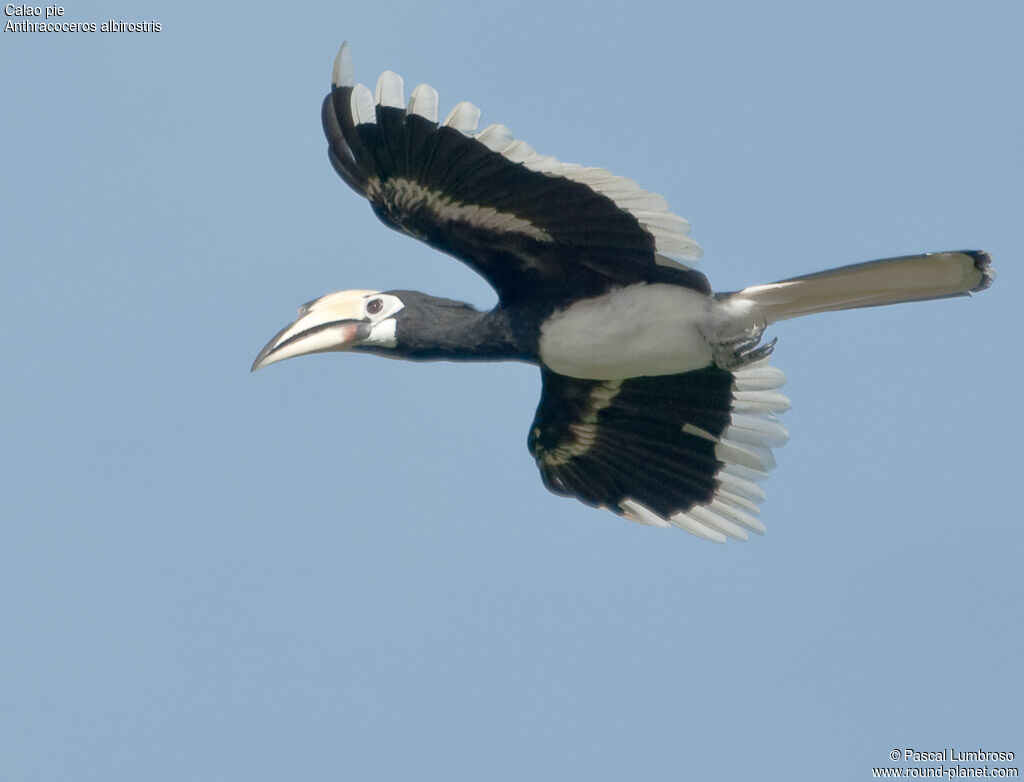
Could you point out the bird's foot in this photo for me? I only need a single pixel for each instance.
(740, 350)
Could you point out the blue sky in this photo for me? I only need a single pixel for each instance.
(347, 568)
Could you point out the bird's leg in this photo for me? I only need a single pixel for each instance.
(739, 349)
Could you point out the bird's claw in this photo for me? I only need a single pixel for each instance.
(741, 349)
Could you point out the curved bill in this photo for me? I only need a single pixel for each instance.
(308, 336)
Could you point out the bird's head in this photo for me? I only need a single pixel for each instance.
(338, 321)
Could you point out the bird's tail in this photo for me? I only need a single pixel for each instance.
(871, 284)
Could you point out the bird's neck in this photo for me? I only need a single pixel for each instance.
(467, 334)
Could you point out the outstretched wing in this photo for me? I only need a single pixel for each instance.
(683, 450)
(519, 218)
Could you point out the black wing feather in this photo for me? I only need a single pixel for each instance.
(346, 153)
(631, 445)
(681, 449)
(528, 231)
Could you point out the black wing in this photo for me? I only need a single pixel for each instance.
(520, 219)
(682, 450)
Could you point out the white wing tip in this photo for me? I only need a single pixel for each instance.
(496, 138)
(717, 522)
(390, 91)
(344, 72)
(634, 511)
(363, 109)
(464, 118)
(423, 102)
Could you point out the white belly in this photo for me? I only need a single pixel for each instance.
(640, 330)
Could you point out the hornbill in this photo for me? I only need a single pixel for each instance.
(658, 400)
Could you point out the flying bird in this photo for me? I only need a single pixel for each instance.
(658, 400)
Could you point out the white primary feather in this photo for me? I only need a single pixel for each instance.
(634, 511)
(463, 118)
(757, 402)
(496, 138)
(696, 526)
(755, 457)
(710, 517)
(390, 91)
(344, 73)
(518, 151)
(761, 376)
(363, 110)
(423, 102)
(743, 487)
(756, 430)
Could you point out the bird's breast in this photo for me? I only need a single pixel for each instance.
(643, 329)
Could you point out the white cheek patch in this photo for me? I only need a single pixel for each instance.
(383, 334)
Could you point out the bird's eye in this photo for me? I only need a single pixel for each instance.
(373, 306)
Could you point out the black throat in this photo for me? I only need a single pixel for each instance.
(432, 328)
